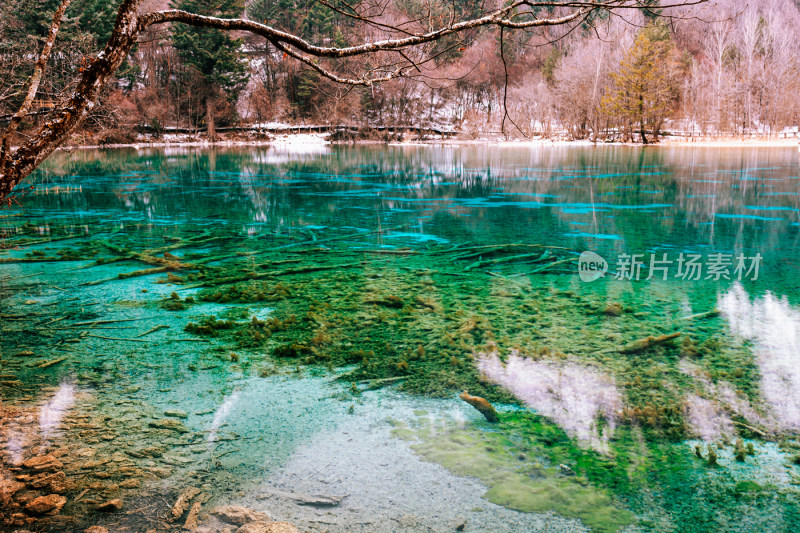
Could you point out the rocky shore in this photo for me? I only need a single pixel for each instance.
(79, 470)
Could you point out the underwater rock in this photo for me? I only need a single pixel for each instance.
(110, 506)
(54, 482)
(268, 527)
(130, 483)
(153, 451)
(175, 413)
(8, 487)
(182, 503)
(19, 519)
(239, 515)
(191, 519)
(484, 407)
(160, 471)
(50, 504)
(43, 462)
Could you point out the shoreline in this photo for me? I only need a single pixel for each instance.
(320, 139)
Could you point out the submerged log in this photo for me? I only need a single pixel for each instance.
(153, 330)
(553, 264)
(303, 499)
(274, 273)
(647, 342)
(52, 362)
(483, 406)
(761, 433)
(707, 314)
(537, 256)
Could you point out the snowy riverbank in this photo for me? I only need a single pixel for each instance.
(302, 141)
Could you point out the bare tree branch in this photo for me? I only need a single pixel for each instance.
(499, 17)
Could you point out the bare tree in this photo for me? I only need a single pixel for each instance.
(397, 50)
(781, 65)
(584, 76)
(717, 43)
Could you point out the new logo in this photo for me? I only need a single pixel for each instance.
(591, 266)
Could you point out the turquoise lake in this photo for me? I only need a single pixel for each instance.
(290, 330)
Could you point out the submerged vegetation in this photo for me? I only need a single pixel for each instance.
(421, 319)
(530, 465)
(617, 403)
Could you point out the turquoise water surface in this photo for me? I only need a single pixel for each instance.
(257, 322)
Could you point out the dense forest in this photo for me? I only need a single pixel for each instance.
(730, 68)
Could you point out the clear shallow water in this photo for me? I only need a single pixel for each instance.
(253, 419)
(609, 200)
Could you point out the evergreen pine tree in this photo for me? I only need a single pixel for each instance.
(644, 91)
(307, 18)
(26, 24)
(212, 54)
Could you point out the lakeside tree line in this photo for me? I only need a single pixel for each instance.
(729, 68)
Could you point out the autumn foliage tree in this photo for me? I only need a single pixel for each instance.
(644, 90)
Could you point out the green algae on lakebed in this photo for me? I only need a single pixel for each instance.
(373, 270)
(428, 337)
(426, 341)
(531, 465)
(520, 473)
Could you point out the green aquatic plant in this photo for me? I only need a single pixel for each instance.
(739, 450)
(747, 486)
(689, 349)
(209, 326)
(712, 456)
(247, 292)
(502, 459)
(423, 317)
(173, 305)
(613, 309)
(292, 350)
(174, 302)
